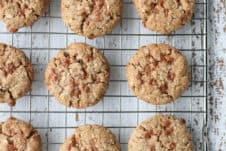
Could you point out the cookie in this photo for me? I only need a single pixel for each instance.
(165, 16)
(91, 138)
(16, 74)
(21, 13)
(158, 73)
(161, 133)
(78, 76)
(17, 135)
(91, 18)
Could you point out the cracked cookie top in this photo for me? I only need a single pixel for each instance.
(91, 138)
(165, 16)
(158, 73)
(91, 18)
(78, 76)
(21, 13)
(17, 135)
(16, 74)
(161, 133)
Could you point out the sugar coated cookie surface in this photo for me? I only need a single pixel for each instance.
(78, 76)
(17, 135)
(91, 18)
(161, 133)
(165, 16)
(21, 13)
(91, 138)
(158, 73)
(16, 74)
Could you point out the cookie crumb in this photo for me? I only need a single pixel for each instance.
(76, 117)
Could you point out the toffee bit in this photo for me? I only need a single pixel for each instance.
(171, 76)
(164, 88)
(76, 117)
(12, 102)
(169, 131)
(91, 36)
(76, 92)
(12, 147)
(172, 145)
(149, 134)
(166, 123)
(152, 148)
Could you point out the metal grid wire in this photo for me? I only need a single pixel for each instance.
(120, 110)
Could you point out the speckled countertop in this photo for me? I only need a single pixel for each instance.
(217, 75)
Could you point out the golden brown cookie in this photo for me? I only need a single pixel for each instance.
(91, 18)
(91, 138)
(21, 13)
(158, 73)
(16, 74)
(161, 133)
(17, 135)
(165, 16)
(78, 76)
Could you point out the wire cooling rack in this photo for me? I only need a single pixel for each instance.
(120, 110)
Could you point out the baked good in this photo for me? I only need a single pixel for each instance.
(16, 74)
(78, 76)
(158, 73)
(91, 138)
(17, 135)
(91, 18)
(165, 16)
(21, 13)
(161, 133)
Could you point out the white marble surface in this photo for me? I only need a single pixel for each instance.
(217, 75)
